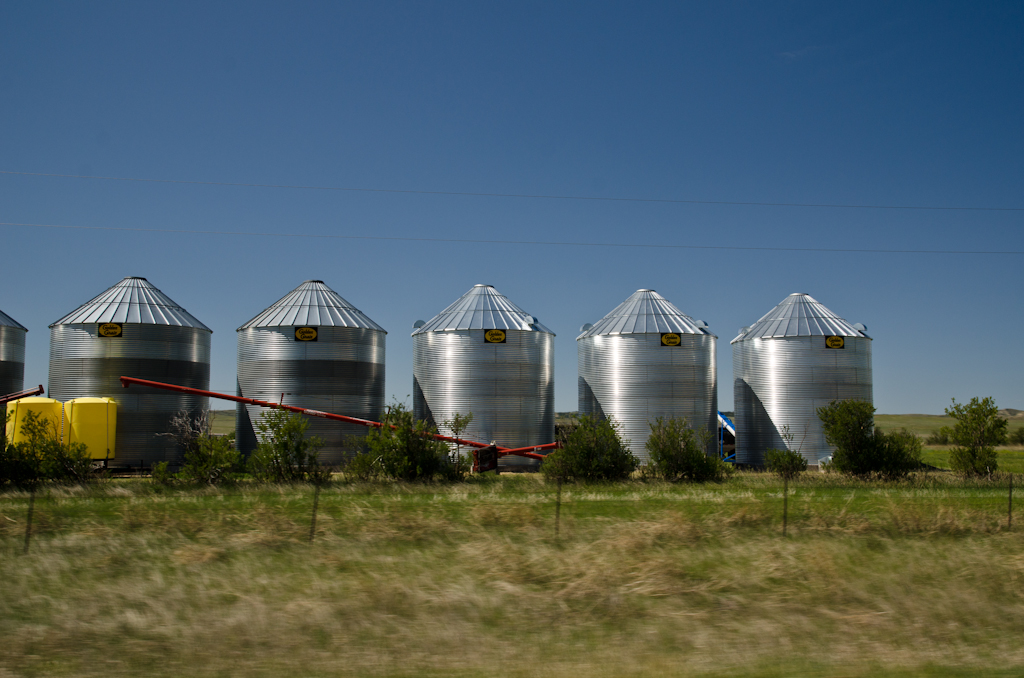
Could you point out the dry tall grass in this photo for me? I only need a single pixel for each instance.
(647, 579)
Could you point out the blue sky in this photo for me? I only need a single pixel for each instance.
(910, 104)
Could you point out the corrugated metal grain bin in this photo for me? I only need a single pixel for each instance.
(12, 354)
(485, 355)
(322, 353)
(795, 359)
(647, 359)
(133, 329)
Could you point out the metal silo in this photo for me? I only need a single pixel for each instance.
(796, 358)
(133, 329)
(322, 353)
(12, 354)
(485, 355)
(647, 359)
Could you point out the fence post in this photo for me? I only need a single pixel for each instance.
(785, 503)
(558, 506)
(28, 523)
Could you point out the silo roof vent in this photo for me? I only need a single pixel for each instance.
(133, 300)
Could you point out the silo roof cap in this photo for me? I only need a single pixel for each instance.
(646, 312)
(312, 304)
(133, 300)
(799, 315)
(8, 321)
(482, 308)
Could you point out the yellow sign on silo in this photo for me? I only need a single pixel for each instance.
(47, 408)
(92, 421)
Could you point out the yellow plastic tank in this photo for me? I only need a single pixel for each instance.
(92, 421)
(44, 407)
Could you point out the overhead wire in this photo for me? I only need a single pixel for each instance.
(560, 243)
(534, 196)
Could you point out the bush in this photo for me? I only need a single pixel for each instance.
(406, 452)
(42, 456)
(849, 426)
(785, 463)
(940, 437)
(678, 452)
(977, 431)
(211, 461)
(1016, 438)
(285, 454)
(592, 449)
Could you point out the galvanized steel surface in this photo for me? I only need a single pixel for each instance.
(133, 300)
(159, 341)
(799, 315)
(779, 381)
(341, 372)
(312, 304)
(12, 357)
(482, 308)
(509, 387)
(627, 374)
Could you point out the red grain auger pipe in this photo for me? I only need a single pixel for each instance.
(519, 451)
(38, 390)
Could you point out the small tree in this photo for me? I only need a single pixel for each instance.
(592, 449)
(285, 454)
(406, 452)
(458, 425)
(1016, 438)
(678, 452)
(977, 431)
(786, 464)
(860, 449)
(211, 461)
(43, 456)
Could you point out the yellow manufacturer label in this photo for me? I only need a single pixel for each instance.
(110, 330)
(835, 342)
(305, 334)
(494, 336)
(670, 339)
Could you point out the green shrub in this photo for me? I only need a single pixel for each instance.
(678, 452)
(285, 454)
(406, 452)
(1016, 438)
(592, 449)
(977, 431)
(42, 456)
(161, 475)
(940, 437)
(785, 463)
(211, 461)
(860, 450)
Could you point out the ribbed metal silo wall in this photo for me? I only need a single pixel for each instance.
(12, 359)
(509, 388)
(342, 372)
(634, 380)
(779, 382)
(83, 364)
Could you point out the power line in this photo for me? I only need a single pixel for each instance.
(518, 195)
(559, 243)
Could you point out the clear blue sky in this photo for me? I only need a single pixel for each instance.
(857, 103)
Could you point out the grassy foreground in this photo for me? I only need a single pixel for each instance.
(124, 578)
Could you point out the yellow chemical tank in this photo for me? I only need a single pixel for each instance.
(92, 421)
(44, 407)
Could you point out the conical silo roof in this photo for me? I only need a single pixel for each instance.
(644, 312)
(8, 321)
(800, 315)
(133, 300)
(312, 304)
(482, 308)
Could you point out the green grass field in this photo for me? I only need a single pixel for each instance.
(127, 578)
